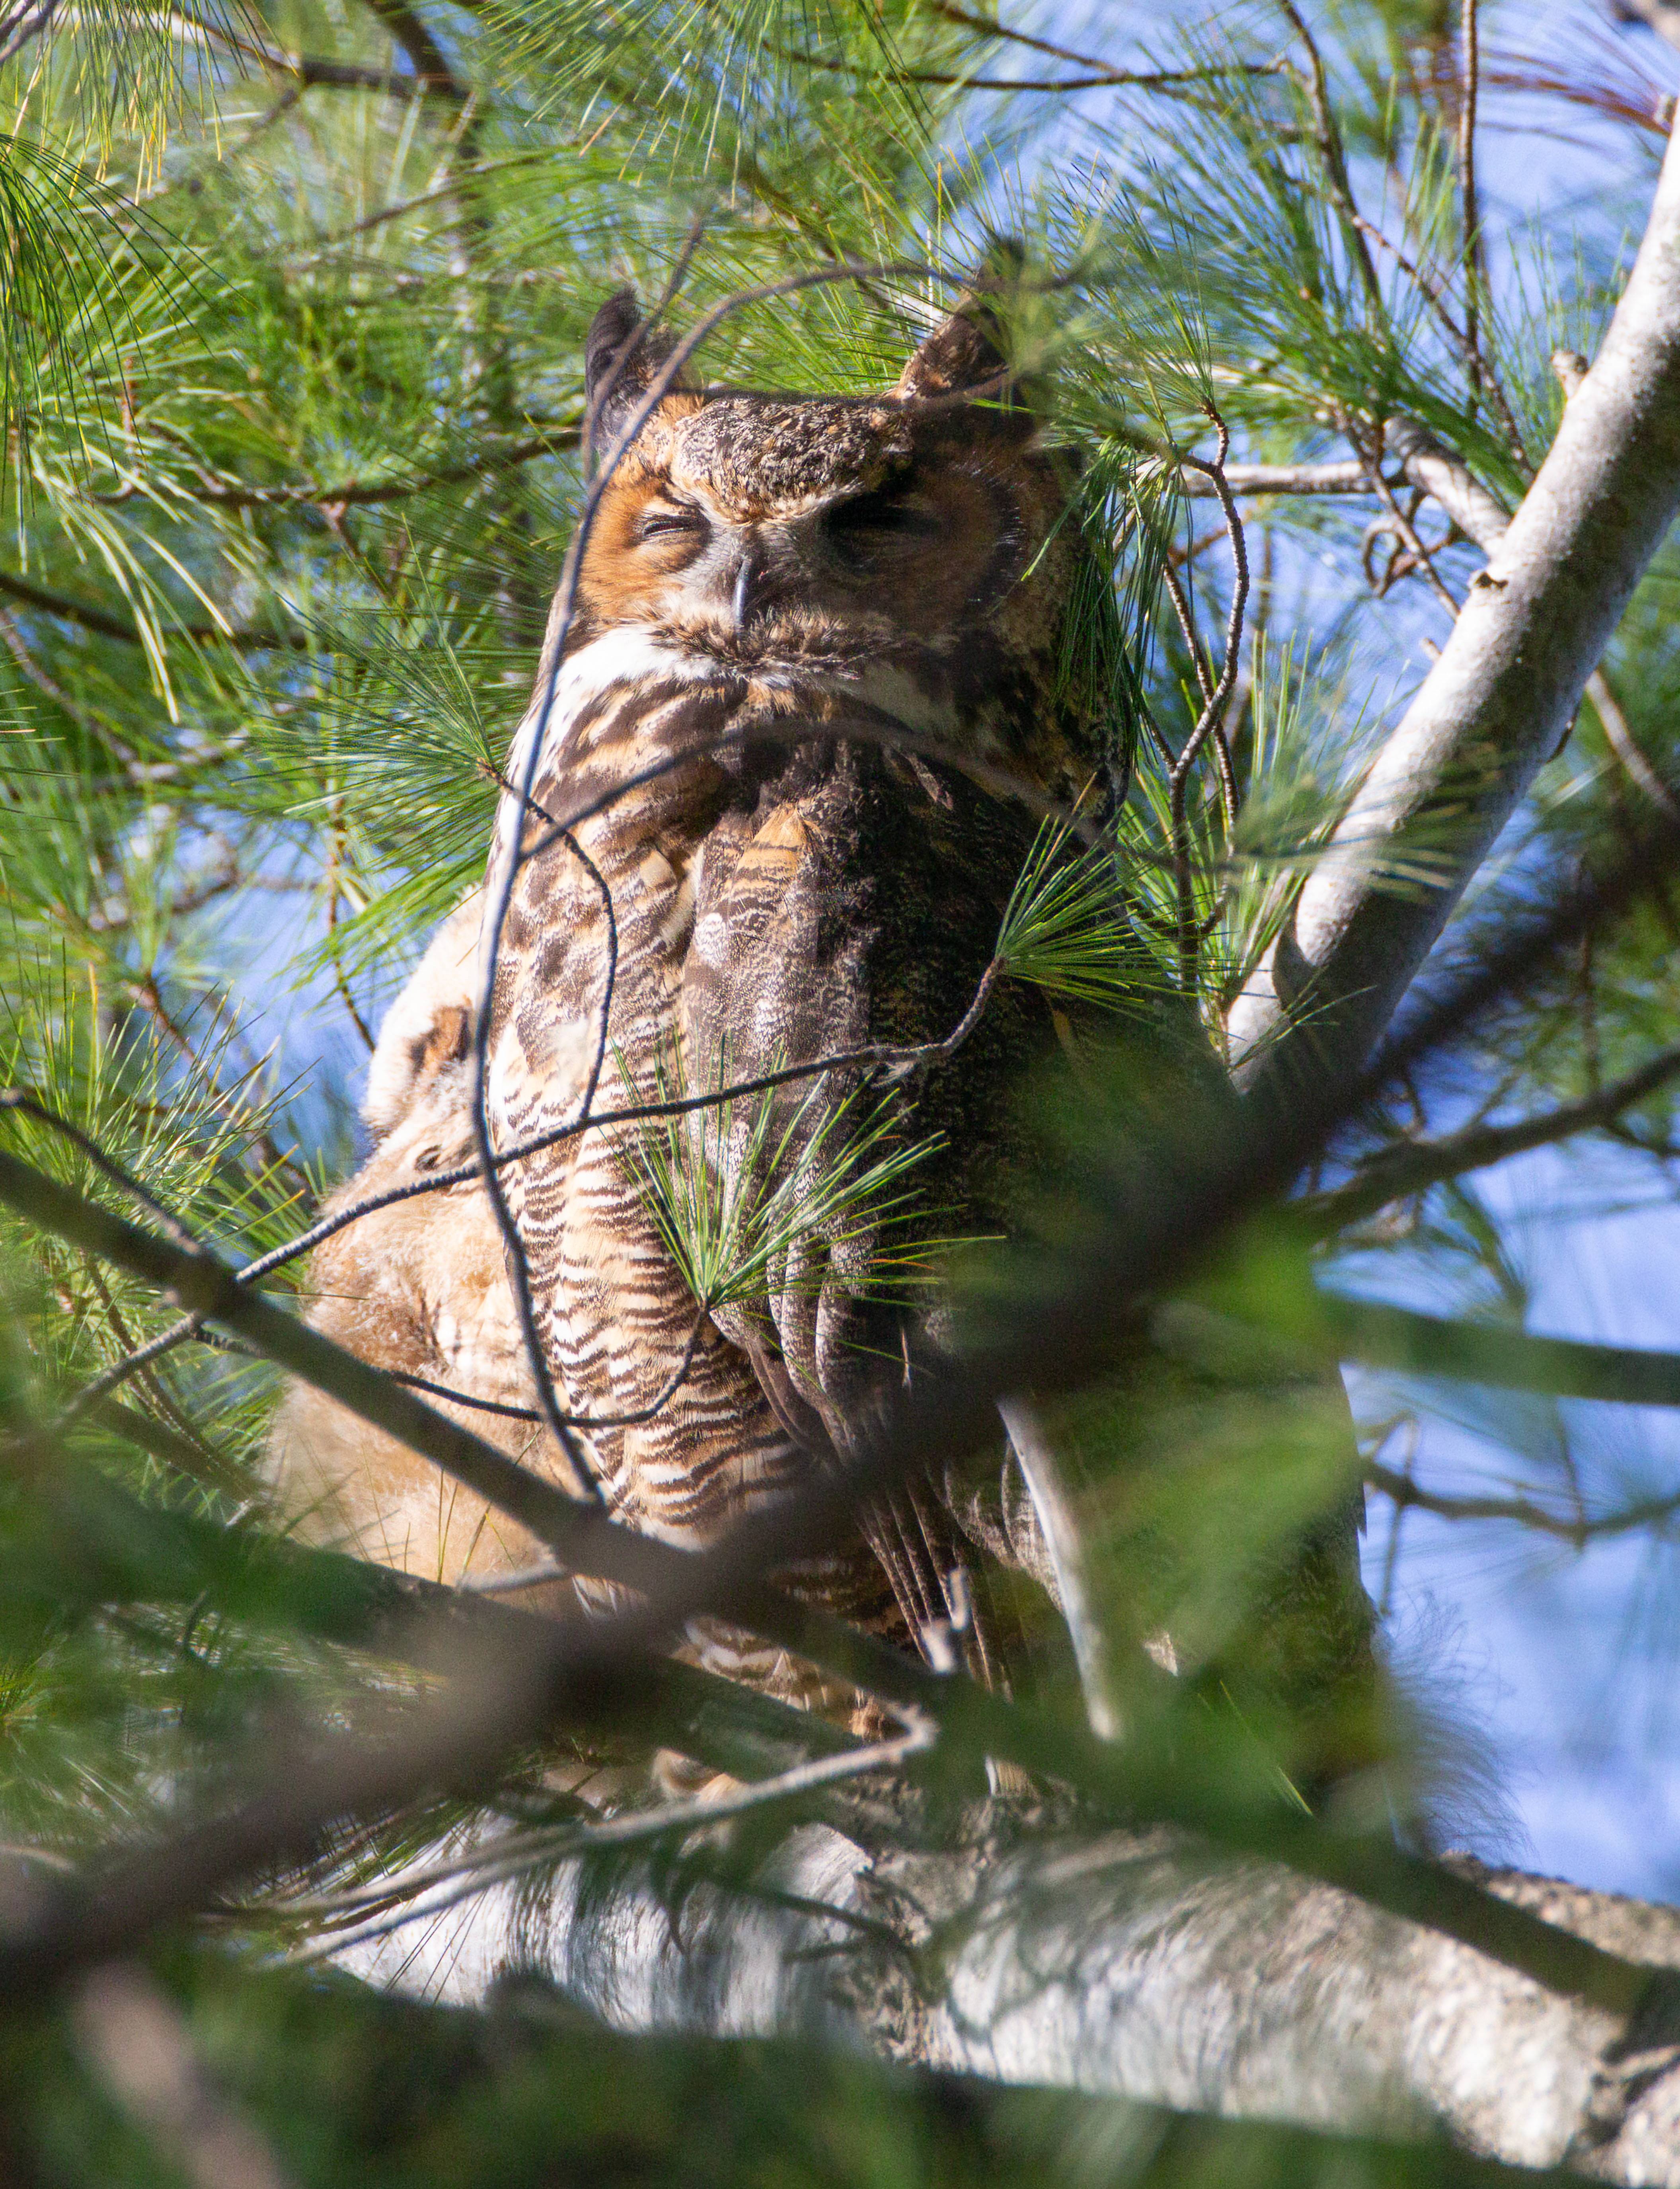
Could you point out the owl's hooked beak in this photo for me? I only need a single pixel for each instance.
(748, 583)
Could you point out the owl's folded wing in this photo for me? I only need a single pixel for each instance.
(849, 911)
(780, 972)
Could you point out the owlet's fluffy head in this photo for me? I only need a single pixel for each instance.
(927, 526)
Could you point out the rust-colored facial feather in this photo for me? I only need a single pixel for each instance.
(771, 528)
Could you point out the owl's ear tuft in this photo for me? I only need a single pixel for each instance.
(622, 356)
(958, 358)
(969, 353)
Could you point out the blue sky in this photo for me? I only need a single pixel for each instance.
(1563, 1663)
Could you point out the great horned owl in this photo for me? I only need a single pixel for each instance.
(788, 612)
(751, 843)
(421, 1289)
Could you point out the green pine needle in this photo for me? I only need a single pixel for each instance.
(1065, 930)
(736, 1195)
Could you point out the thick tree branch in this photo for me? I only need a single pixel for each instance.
(1117, 1964)
(1482, 517)
(1499, 699)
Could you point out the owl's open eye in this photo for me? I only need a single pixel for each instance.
(869, 524)
(679, 521)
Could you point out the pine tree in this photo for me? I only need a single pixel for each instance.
(292, 305)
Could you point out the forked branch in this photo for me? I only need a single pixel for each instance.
(1498, 700)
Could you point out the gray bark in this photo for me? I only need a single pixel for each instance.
(1120, 1965)
(1500, 697)
(1349, 477)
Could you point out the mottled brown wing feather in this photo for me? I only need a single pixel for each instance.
(859, 904)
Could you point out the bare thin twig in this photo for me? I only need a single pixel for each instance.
(25, 1103)
(18, 25)
(1620, 738)
(1407, 1494)
(516, 1853)
(504, 1584)
(1006, 32)
(335, 838)
(462, 1398)
(1394, 1174)
(1335, 159)
(1469, 58)
(95, 619)
(1215, 698)
(1423, 557)
(1066, 1542)
(1186, 623)
(351, 493)
(673, 1384)
(878, 1056)
(137, 1359)
(308, 71)
(119, 1372)
(181, 1429)
(427, 57)
(1101, 77)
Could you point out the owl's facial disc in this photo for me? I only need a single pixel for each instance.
(895, 543)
